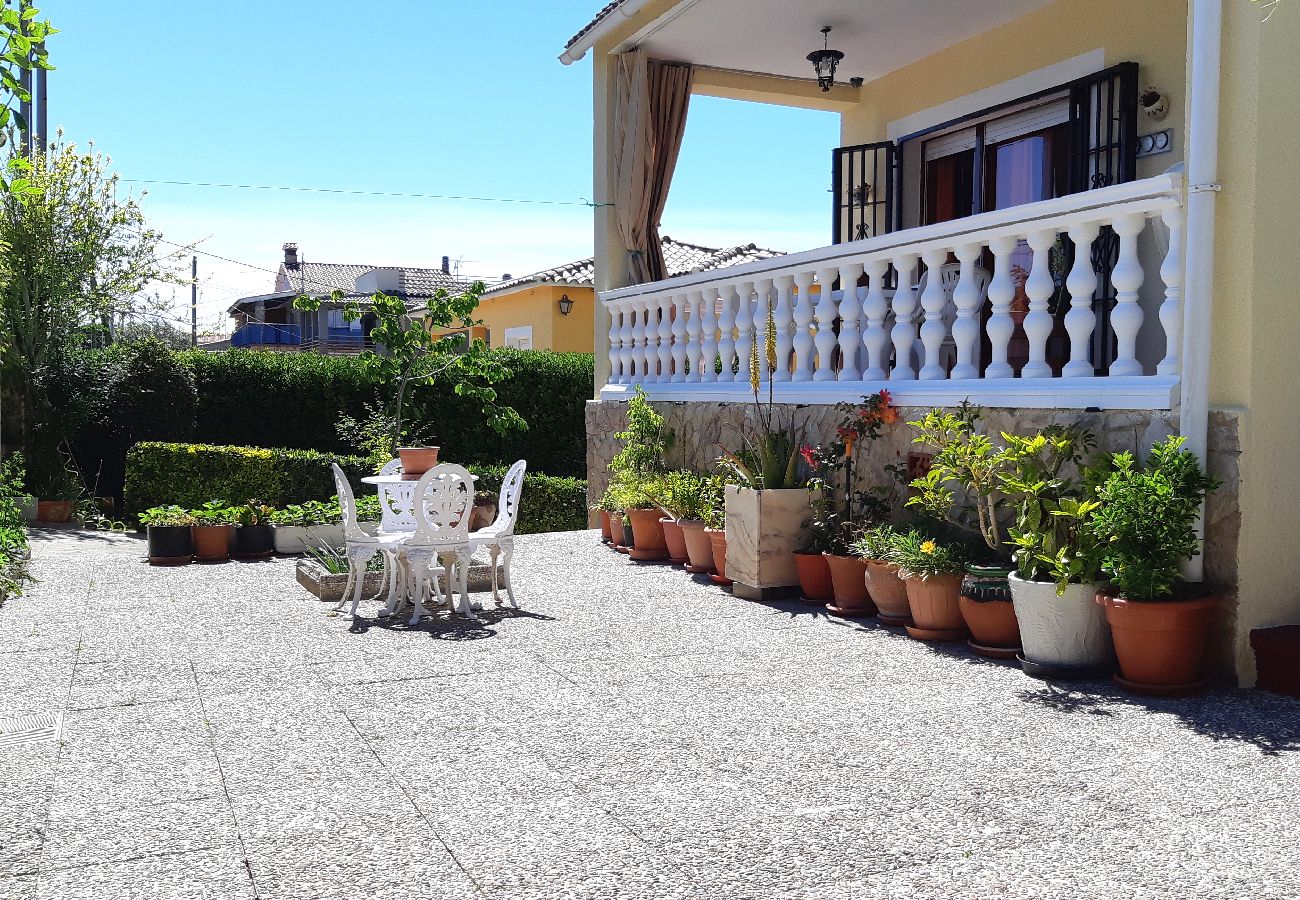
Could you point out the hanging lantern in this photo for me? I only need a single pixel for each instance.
(825, 60)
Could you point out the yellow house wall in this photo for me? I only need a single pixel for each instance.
(539, 306)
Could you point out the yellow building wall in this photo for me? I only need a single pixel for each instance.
(539, 306)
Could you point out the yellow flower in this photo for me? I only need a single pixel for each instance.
(753, 367)
(928, 547)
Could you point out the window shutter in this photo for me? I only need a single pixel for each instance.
(1103, 128)
(862, 179)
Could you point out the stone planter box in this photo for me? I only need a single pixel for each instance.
(329, 587)
(764, 528)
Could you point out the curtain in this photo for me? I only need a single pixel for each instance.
(650, 105)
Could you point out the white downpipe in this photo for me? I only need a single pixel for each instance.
(1202, 187)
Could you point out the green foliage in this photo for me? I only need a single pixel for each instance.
(192, 474)
(13, 528)
(215, 512)
(310, 512)
(253, 512)
(876, 542)
(684, 494)
(645, 441)
(918, 555)
(1146, 523)
(22, 48)
(167, 515)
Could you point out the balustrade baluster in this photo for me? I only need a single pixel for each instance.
(615, 342)
(679, 339)
(966, 328)
(726, 333)
(803, 314)
(783, 318)
(1002, 290)
(626, 342)
(762, 307)
(1038, 321)
(665, 329)
(850, 310)
(1171, 310)
(904, 333)
(933, 301)
(875, 337)
(1080, 320)
(639, 315)
(1126, 317)
(693, 336)
(709, 337)
(826, 311)
(744, 329)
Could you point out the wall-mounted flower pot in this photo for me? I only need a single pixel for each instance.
(170, 545)
(54, 512)
(1062, 637)
(699, 549)
(718, 538)
(815, 583)
(675, 540)
(1160, 645)
(606, 533)
(989, 613)
(212, 542)
(254, 542)
(417, 460)
(764, 528)
(888, 592)
(849, 579)
(648, 542)
(935, 603)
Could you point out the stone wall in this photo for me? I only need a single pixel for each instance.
(701, 428)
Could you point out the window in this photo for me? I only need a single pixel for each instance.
(520, 337)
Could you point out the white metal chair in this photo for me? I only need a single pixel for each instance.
(392, 467)
(361, 547)
(499, 536)
(444, 503)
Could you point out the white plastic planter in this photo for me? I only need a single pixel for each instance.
(289, 538)
(1069, 631)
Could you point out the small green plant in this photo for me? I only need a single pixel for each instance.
(1146, 523)
(214, 512)
(645, 441)
(335, 559)
(876, 543)
(252, 512)
(167, 515)
(683, 494)
(918, 555)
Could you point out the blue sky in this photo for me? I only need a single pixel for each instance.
(420, 97)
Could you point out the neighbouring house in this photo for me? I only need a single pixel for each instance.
(270, 321)
(1059, 210)
(554, 309)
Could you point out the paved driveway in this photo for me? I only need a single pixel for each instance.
(631, 733)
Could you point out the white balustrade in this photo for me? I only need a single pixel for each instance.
(954, 336)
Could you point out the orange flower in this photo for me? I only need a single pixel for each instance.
(888, 415)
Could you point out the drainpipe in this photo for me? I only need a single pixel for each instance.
(1202, 188)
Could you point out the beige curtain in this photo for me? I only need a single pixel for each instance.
(650, 105)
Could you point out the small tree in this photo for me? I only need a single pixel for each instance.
(22, 49)
(412, 355)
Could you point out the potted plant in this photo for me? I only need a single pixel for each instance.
(715, 528)
(931, 570)
(683, 496)
(417, 460)
(606, 508)
(842, 508)
(638, 463)
(253, 538)
(213, 531)
(485, 510)
(1053, 588)
(57, 495)
(169, 538)
(970, 462)
(887, 589)
(812, 567)
(289, 529)
(1145, 527)
(698, 503)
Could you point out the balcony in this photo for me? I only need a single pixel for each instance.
(1069, 303)
(261, 334)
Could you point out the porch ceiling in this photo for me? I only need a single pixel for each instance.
(774, 36)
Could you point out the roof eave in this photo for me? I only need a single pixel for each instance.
(578, 48)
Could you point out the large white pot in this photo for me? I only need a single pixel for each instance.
(329, 535)
(764, 528)
(1068, 631)
(289, 538)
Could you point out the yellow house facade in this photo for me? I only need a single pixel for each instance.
(1104, 189)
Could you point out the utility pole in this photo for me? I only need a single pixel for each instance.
(194, 301)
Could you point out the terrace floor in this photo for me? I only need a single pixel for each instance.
(630, 733)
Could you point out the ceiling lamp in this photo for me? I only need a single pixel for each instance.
(825, 60)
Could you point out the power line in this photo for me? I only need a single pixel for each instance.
(361, 193)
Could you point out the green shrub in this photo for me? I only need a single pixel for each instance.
(191, 475)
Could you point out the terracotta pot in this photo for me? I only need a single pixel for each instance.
(814, 577)
(212, 542)
(417, 460)
(616, 530)
(888, 592)
(1160, 644)
(606, 532)
(55, 511)
(648, 542)
(483, 515)
(1063, 636)
(986, 606)
(936, 608)
(718, 538)
(849, 582)
(699, 549)
(675, 539)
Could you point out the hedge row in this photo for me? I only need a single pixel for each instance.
(189, 475)
(115, 397)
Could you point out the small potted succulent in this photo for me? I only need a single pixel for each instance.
(214, 527)
(887, 589)
(253, 537)
(1144, 528)
(169, 535)
(932, 571)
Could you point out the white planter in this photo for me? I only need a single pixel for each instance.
(329, 535)
(1069, 631)
(764, 528)
(289, 538)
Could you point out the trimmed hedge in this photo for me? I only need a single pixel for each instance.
(111, 398)
(189, 475)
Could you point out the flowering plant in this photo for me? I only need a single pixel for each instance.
(918, 555)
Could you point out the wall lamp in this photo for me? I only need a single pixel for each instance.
(566, 305)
